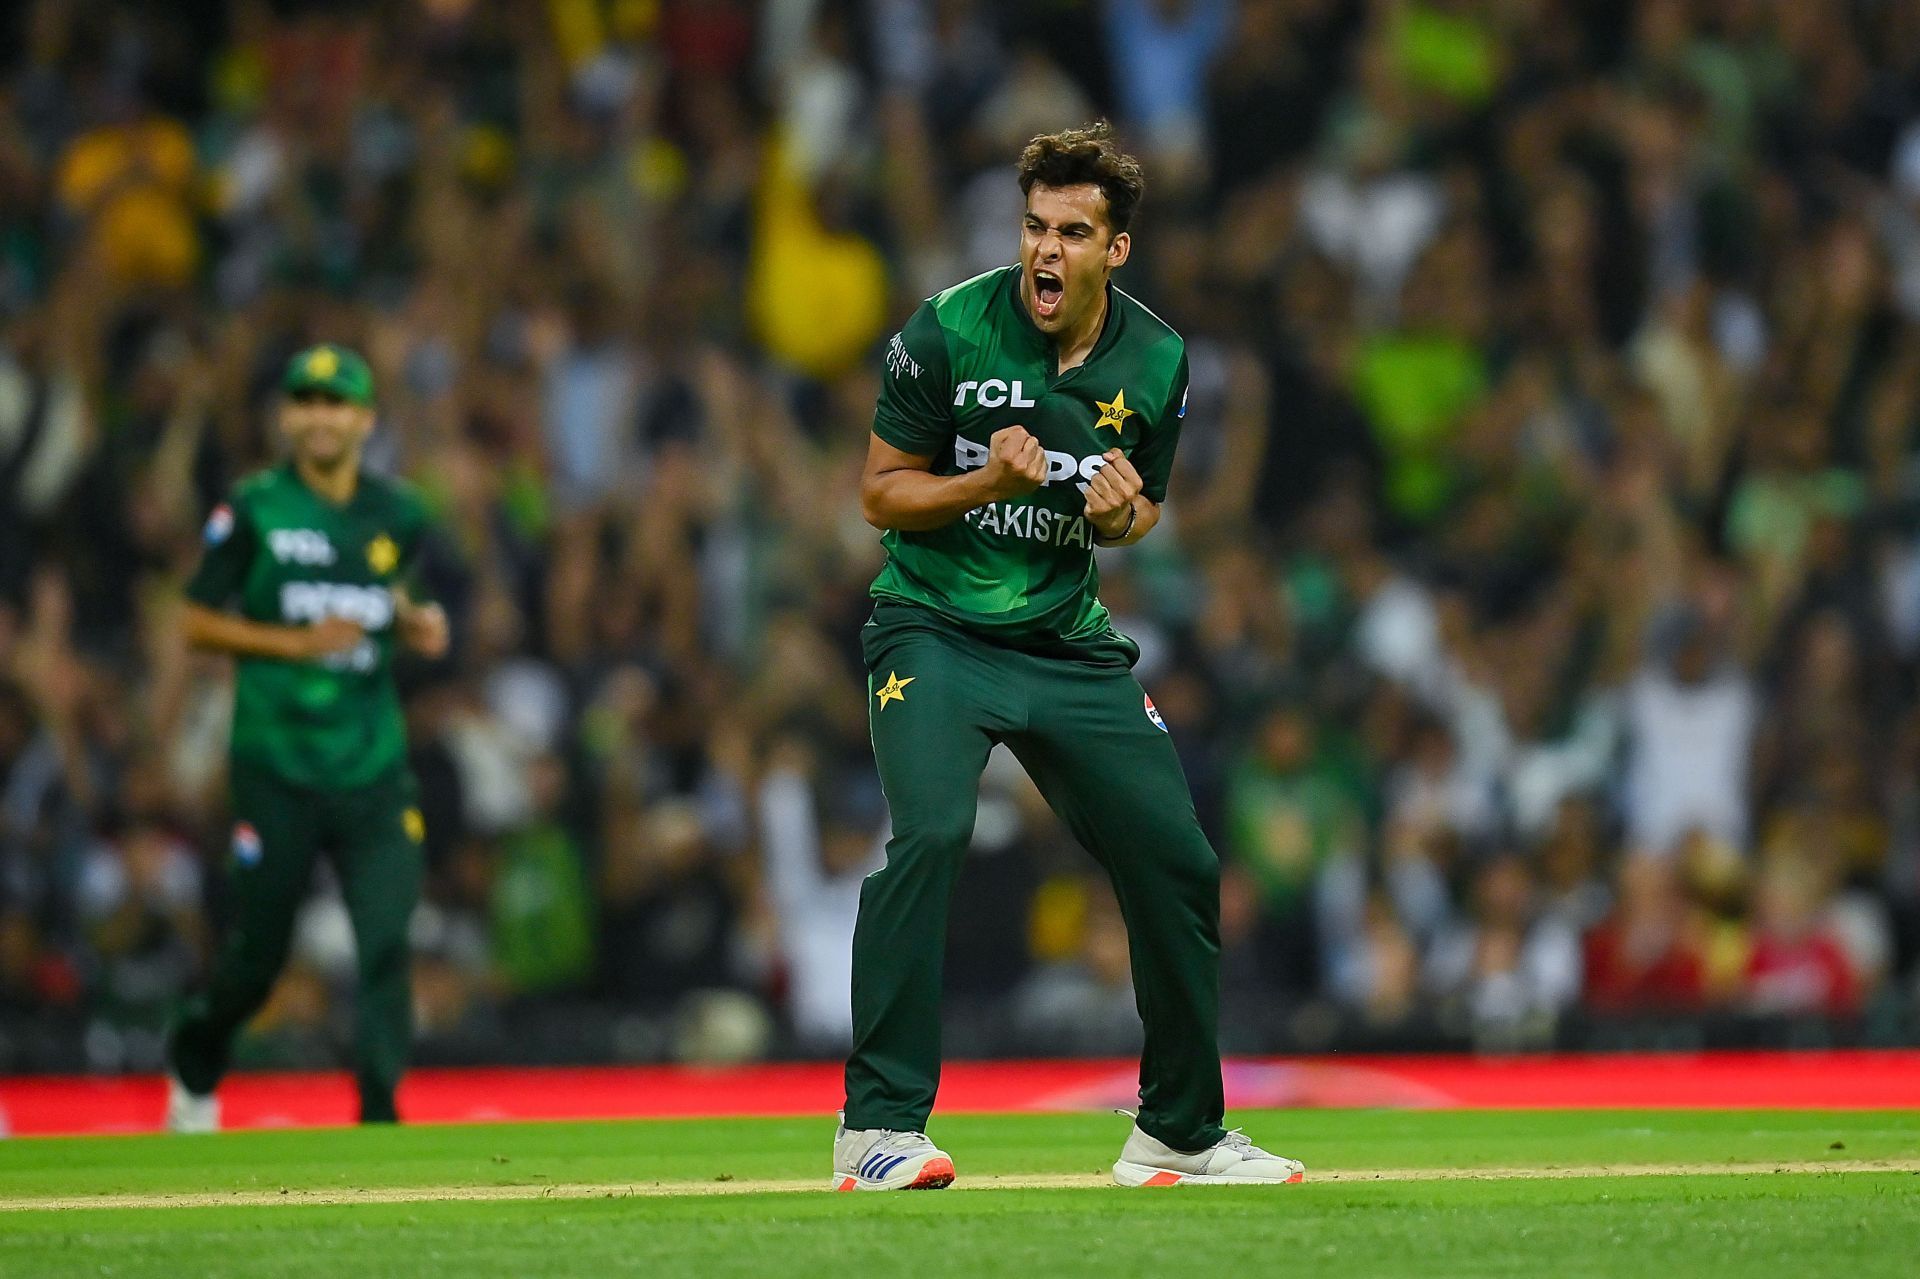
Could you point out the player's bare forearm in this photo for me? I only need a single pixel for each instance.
(914, 501)
(215, 631)
(898, 490)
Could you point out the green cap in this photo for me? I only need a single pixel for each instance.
(334, 370)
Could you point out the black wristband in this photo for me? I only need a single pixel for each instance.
(1133, 513)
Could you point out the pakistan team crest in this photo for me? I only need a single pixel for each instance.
(382, 555)
(1113, 414)
(894, 690)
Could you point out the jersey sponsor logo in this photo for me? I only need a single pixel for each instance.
(219, 525)
(300, 546)
(1061, 467)
(1153, 714)
(898, 361)
(247, 848)
(1031, 523)
(993, 393)
(370, 606)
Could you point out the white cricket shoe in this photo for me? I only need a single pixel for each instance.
(189, 1111)
(882, 1159)
(1233, 1160)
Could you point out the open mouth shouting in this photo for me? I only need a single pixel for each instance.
(1049, 290)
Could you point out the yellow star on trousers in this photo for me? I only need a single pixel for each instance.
(1115, 413)
(894, 689)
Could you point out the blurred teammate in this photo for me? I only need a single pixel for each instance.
(305, 580)
(1025, 417)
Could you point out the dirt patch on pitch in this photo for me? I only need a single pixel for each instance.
(1052, 1181)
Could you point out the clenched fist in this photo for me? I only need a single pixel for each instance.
(423, 628)
(1016, 464)
(1110, 494)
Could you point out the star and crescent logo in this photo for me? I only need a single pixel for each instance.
(894, 690)
(382, 554)
(1113, 414)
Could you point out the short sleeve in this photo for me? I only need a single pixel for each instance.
(229, 542)
(913, 413)
(1153, 458)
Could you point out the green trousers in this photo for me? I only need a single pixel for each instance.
(372, 835)
(939, 699)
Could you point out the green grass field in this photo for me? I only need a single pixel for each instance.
(640, 1198)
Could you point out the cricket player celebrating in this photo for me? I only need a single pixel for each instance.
(1025, 417)
(314, 557)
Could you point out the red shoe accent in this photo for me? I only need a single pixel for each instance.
(847, 1183)
(1296, 1179)
(937, 1175)
(1163, 1179)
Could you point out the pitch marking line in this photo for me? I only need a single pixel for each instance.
(1053, 1181)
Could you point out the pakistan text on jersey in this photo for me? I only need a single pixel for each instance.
(1034, 523)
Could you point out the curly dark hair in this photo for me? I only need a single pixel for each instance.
(1073, 157)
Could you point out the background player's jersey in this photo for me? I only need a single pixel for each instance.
(969, 362)
(281, 553)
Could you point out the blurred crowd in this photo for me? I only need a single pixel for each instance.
(1538, 613)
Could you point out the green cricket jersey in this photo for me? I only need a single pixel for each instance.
(281, 553)
(971, 361)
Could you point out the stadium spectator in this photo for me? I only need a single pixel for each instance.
(821, 831)
(1507, 969)
(1084, 1003)
(1644, 956)
(1691, 718)
(1796, 964)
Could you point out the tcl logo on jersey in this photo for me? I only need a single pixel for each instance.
(371, 606)
(992, 394)
(1060, 466)
(300, 546)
